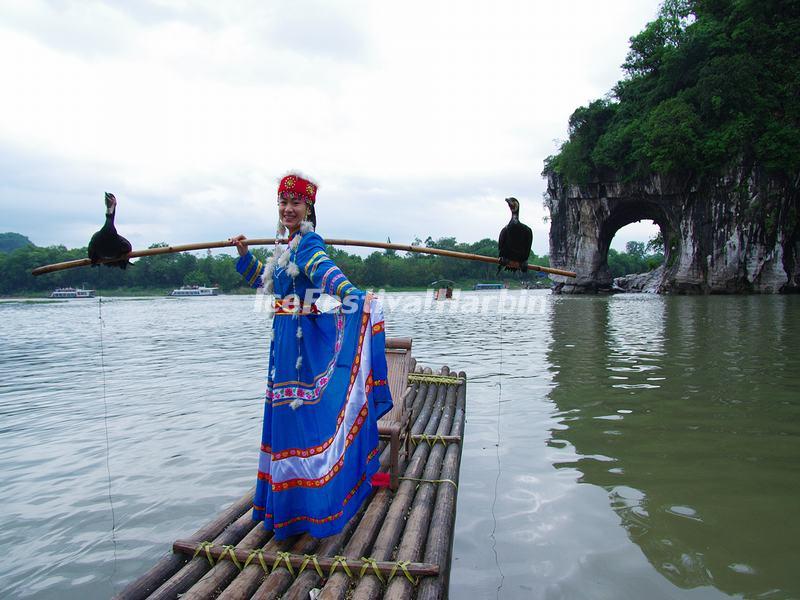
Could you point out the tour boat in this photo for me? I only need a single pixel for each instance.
(194, 290)
(488, 286)
(69, 292)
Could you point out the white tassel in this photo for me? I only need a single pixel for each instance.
(299, 332)
(294, 242)
(283, 260)
(268, 287)
(269, 269)
(293, 270)
(296, 403)
(299, 362)
(306, 226)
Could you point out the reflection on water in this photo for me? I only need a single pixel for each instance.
(615, 447)
(686, 410)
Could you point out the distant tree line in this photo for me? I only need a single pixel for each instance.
(385, 269)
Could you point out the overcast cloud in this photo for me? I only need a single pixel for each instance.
(416, 118)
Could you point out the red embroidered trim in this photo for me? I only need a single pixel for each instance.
(321, 481)
(311, 519)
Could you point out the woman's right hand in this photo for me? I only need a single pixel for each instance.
(241, 243)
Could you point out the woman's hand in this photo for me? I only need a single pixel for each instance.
(241, 243)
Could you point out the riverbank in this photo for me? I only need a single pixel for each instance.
(150, 292)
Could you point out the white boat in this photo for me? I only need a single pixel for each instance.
(69, 292)
(194, 290)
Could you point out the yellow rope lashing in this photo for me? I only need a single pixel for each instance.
(443, 379)
(340, 560)
(260, 554)
(455, 485)
(207, 547)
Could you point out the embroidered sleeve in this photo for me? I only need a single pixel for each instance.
(251, 269)
(320, 269)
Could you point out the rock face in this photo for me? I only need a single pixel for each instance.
(648, 283)
(737, 234)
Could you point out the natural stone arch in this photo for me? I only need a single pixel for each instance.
(624, 213)
(735, 234)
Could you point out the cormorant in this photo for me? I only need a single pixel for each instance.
(107, 243)
(515, 241)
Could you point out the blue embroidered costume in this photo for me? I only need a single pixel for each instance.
(326, 388)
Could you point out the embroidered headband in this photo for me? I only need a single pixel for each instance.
(297, 186)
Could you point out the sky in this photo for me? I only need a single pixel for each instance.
(416, 118)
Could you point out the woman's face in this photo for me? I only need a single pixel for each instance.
(291, 212)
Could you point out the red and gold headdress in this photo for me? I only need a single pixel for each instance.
(297, 186)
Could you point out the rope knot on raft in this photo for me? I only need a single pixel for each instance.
(260, 554)
(313, 559)
(230, 550)
(455, 485)
(371, 562)
(437, 379)
(430, 439)
(286, 557)
(340, 560)
(205, 546)
(403, 564)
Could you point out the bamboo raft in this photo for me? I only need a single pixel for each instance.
(399, 544)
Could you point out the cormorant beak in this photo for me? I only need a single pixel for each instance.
(111, 202)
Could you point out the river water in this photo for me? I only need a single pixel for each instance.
(616, 447)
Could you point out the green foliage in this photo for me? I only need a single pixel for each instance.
(169, 271)
(11, 241)
(633, 260)
(709, 83)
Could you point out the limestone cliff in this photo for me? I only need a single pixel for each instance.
(735, 234)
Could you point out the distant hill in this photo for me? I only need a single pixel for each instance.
(11, 241)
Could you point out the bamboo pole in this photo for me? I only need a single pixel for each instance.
(362, 542)
(326, 563)
(84, 262)
(439, 545)
(169, 565)
(419, 520)
(396, 527)
(198, 566)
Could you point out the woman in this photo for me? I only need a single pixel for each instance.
(326, 382)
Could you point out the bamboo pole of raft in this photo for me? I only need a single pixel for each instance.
(198, 566)
(143, 586)
(84, 262)
(357, 546)
(417, 517)
(369, 586)
(296, 560)
(224, 571)
(438, 546)
(338, 584)
(419, 520)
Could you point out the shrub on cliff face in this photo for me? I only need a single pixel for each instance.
(709, 83)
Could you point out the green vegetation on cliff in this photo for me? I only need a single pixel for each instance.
(709, 85)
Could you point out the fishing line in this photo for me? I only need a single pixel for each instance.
(497, 450)
(108, 445)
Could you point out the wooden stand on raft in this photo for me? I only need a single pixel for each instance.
(398, 545)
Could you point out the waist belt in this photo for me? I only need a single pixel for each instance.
(293, 306)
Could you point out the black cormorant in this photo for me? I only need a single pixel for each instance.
(107, 243)
(515, 241)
